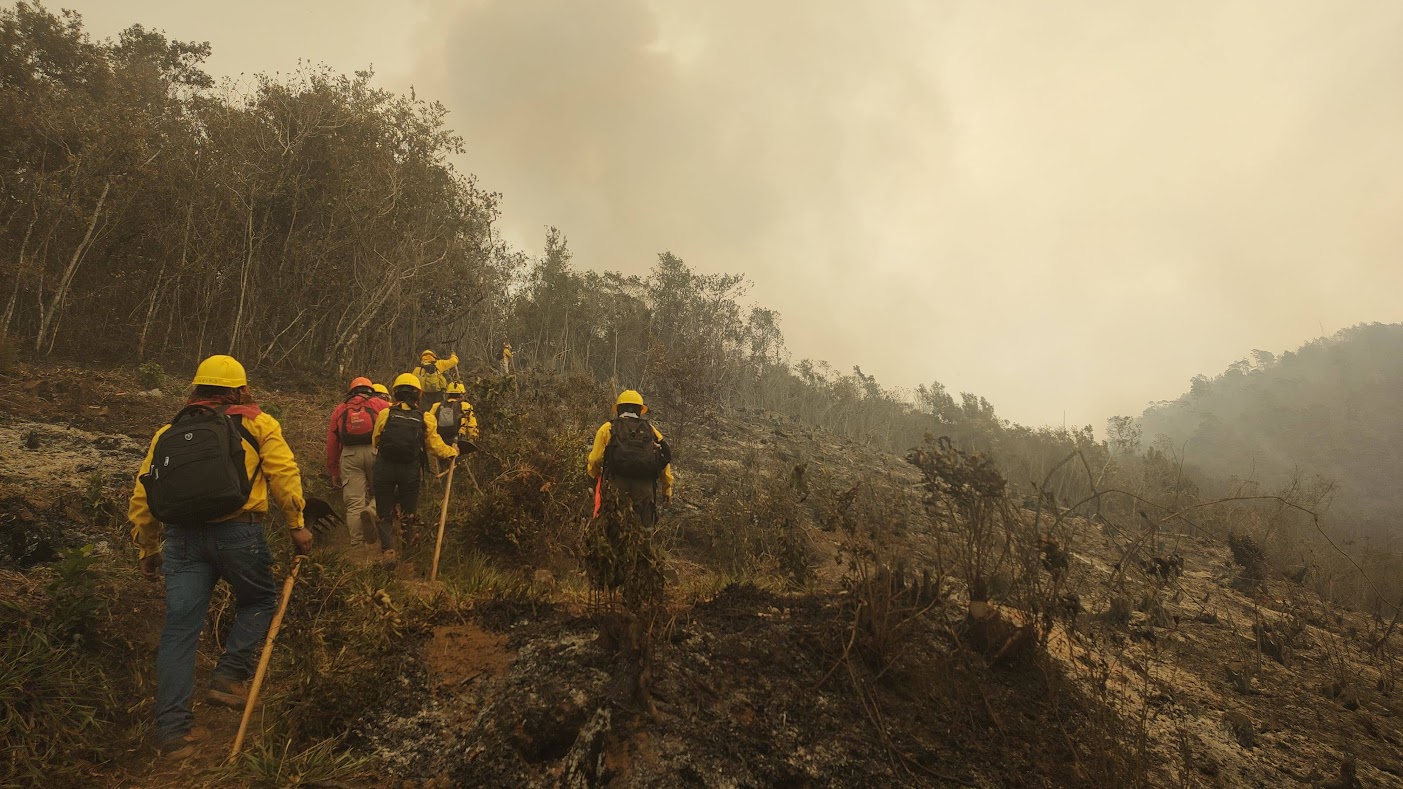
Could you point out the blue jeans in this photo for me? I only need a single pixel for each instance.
(195, 557)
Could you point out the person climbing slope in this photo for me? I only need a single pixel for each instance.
(629, 462)
(350, 456)
(431, 376)
(506, 358)
(207, 479)
(403, 436)
(633, 458)
(457, 424)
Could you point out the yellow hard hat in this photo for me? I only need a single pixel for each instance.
(630, 397)
(456, 388)
(428, 356)
(408, 379)
(381, 388)
(221, 371)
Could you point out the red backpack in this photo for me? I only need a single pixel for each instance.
(357, 421)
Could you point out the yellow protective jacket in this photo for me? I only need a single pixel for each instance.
(595, 465)
(279, 471)
(432, 443)
(468, 428)
(432, 377)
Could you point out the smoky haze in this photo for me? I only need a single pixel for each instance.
(1070, 208)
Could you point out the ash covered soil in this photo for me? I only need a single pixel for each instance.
(749, 689)
(1196, 682)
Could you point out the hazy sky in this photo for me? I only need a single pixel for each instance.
(1067, 207)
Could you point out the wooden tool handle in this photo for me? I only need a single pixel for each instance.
(442, 521)
(265, 657)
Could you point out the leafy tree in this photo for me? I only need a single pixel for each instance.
(1328, 409)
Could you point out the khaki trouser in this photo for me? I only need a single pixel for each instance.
(356, 464)
(506, 365)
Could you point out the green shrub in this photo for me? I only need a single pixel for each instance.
(151, 376)
(75, 599)
(99, 508)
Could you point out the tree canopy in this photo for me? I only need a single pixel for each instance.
(1329, 409)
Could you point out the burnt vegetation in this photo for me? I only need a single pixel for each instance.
(856, 584)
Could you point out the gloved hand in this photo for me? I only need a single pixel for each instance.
(302, 541)
(150, 567)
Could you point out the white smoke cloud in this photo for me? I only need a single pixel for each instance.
(1066, 207)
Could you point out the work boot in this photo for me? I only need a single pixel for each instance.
(184, 746)
(409, 525)
(227, 692)
(368, 534)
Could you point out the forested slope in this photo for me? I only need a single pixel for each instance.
(1329, 410)
(313, 222)
(822, 605)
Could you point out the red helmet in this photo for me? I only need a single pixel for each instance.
(357, 383)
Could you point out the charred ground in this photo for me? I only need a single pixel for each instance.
(818, 627)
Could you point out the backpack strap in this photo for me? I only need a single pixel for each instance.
(247, 436)
(609, 445)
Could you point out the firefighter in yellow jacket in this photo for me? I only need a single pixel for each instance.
(454, 418)
(208, 477)
(431, 376)
(404, 437)
(632, 456)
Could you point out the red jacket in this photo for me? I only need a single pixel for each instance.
(333, 435)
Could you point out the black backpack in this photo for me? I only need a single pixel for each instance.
(198, 473)
(402, 439)
(634, 451)
(450, 419)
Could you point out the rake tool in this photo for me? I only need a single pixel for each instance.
(322, 516)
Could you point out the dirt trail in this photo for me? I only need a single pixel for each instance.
(209, 764)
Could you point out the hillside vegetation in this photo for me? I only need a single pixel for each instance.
(313, 223)
(1326, 414)
(856, 585)
(829, 615)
